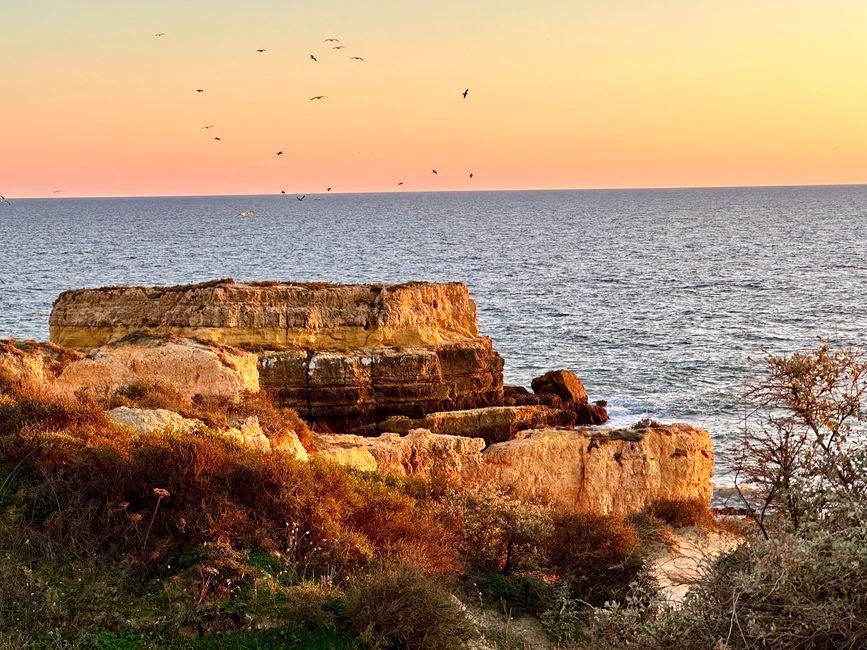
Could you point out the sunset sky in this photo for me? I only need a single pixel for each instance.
(563, 94)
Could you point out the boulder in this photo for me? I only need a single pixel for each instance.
(562, 383)
(617, 471)
(194, 367)
(143, 421)
(343, 449)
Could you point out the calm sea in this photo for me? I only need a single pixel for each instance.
(656, 298)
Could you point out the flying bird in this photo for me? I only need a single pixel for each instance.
(338, 47)
(471, 174)
(217, 139)
(260, 51)
(332, 40)
(160, 34)
(245, 213)
(279, 153)
(4, 199)
(328, 189)
(209, 126)
(465, 93)
(313, 57)
(401, 183)
(200, 90)
(319, 97)
(282, 191)
(57, 191)
(300, 198)
(434, 171)
(356, 58)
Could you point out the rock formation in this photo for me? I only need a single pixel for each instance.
(493, 424)
(616, 471)
(192, 367)
(613, 471)
(342, 354)
(32, 361)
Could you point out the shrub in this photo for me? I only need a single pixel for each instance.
(802, 453)
(500, 533)
(680, 513)
(516, 593)
(400, 608)
(598, 555)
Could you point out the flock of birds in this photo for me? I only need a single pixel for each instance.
(338, 46)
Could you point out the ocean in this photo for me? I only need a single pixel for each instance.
(657, 299)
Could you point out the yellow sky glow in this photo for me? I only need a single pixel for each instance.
(562, 95)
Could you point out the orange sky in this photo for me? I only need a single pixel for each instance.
(562, 95)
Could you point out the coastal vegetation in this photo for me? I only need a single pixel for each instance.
(194, 540)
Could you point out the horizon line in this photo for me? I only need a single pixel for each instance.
(443, 191)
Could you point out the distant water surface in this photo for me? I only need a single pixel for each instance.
(655, 297)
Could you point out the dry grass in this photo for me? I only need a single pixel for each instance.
(680, 513)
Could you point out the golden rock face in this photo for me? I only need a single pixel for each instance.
(308, 316)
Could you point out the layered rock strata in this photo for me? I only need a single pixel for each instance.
(272, 315)
(493, 424)
(343, 354)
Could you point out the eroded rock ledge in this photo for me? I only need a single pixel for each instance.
(270, 315)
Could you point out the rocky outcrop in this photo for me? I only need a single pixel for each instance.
(616, 471)
(32, 361)
(493, 424)
(342, 354)
(247, 432)
(142, 421)
(193, 367)
(271, 315)
(562, 383)
(370, 384)
(420, 453)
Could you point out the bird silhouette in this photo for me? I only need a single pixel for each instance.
(332, 40)
(200, 90)
(471, 174)
(282, 191)
(279, 153)
(260, 51)
(401, 183)
(57, 191)
(465, 93)
(208, 126)
(356, 58)
(434, 171)
(328, 189)
(338, 47)
(319, 97)
(217, 139)
(4, 199)
(300, 198)
(160, 34)
(313, 57)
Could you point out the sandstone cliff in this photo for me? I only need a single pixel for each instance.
(342, 354)
(271, 315)
(616, 471)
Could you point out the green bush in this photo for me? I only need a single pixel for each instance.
(514, 593)
(401, 608)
